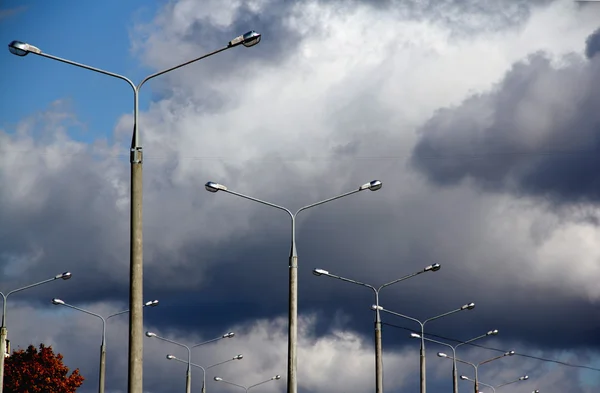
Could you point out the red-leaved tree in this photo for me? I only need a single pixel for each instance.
(33, 371)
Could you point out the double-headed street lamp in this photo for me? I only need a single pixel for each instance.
(102, 368)
(523, 378)
(292, 382)
(4, 329)
(468, 306)
(453, 348)
(135, 356)
(475, 366)
(378, 347)
(237, 357)
(274, 378)
(188, 376)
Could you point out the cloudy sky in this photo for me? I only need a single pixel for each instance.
(480, 117)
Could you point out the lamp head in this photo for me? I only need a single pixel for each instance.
(509, 353)
(218, 379)
(464, 377)
(56, 301)
(524, 378)
(372, 185)
(469, 306)
(150, 334)
(228, 335)
(415, 335)
(151, 303)
(238, 357)
(434, 268)
(171, 357)
(375, 307)
(214, 187)
(22, 49)
(64, 276)
(442, 355)
(249, 39)
(277, 377)
(492, 332)
(320, 272)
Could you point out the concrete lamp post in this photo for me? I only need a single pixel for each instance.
(135, 356)
(292, 382)
(476, 366)
(237, 357)
(102, 367)
(467, 307)
(188, 375)
(4, 329)
(453, 348)
(523, 378)
(274, 378)
(378, 346)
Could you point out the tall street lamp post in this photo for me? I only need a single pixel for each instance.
(523, 378)
(237, 357)
(4, 329)
(378, 346)
(188, 375)
(292, 382)
(102, 368)
(469, 306)
(135, 356)
(476, 366)
(453, 348)
(274, 378)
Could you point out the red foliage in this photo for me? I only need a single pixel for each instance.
(33, 371)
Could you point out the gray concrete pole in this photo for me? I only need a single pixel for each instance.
(136, 300)
(102, 368)
(3, 336)
(476, 384)
(292, 383)
(454, 376)
(188, 376)
(423, 383)
(188, 380)
(378, 346)
(378, 358)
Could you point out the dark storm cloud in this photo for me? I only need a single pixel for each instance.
(592, 44)
(536, 133)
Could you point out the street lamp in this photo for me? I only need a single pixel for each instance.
(453, 348)
(468, 306)
(237, 357)
(476, 366)
(219, 379)
(378, 347)
(523, 378)
(102, 371)
(135, 356)
(188, 375)
(292, 383)
(4, 329)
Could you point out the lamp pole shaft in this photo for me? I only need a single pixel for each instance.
(378, 348)
(3, 336)
(423, 385)
(476, 384)
(136, 351)
(378, 358)
(102, 368)
(188, 375)
(454, 377)
(293, 326)
(423, 367)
